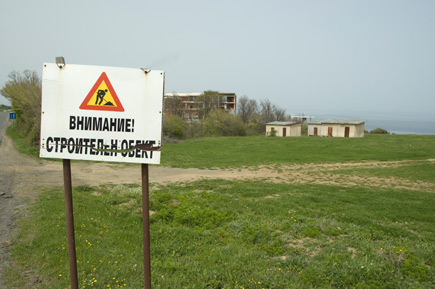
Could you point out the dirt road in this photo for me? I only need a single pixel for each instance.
(22, 177)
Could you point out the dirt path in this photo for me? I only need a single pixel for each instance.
(21, 178)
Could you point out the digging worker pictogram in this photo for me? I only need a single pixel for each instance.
(100, 96)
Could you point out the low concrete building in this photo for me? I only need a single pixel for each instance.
(283, 128)
(314, 128)
(337, 128)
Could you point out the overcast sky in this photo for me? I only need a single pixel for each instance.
(304, 56)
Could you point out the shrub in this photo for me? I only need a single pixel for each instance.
(221, 123)
(304, 128)
(192, 129)
(173, 126)
(4, 107)
(379, 131)
(272, 132)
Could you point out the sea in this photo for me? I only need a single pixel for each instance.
(393, 121)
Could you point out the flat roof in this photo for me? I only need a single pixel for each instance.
(183, 93)
(341, 121)
(283, 123)
(315, 122)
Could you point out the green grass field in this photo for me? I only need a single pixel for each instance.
(226, 152)
(247, 234)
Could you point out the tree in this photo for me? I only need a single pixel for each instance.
(246, 108)
(266, 111)
(256, 116)
(270, 112)
(210, 100)
(278, 113)
(173, 105)
(24, 93)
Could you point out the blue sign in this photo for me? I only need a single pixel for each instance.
(12, 115)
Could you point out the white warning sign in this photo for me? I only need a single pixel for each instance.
(101, 113)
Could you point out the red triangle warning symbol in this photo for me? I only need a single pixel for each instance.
(102, 96)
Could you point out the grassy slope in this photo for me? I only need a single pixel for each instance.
(216, 234)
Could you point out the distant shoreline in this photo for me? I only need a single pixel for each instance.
(393, 122)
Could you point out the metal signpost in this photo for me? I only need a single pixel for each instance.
(101, 114)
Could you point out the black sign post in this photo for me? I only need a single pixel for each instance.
(146, 226)
(69, 215)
